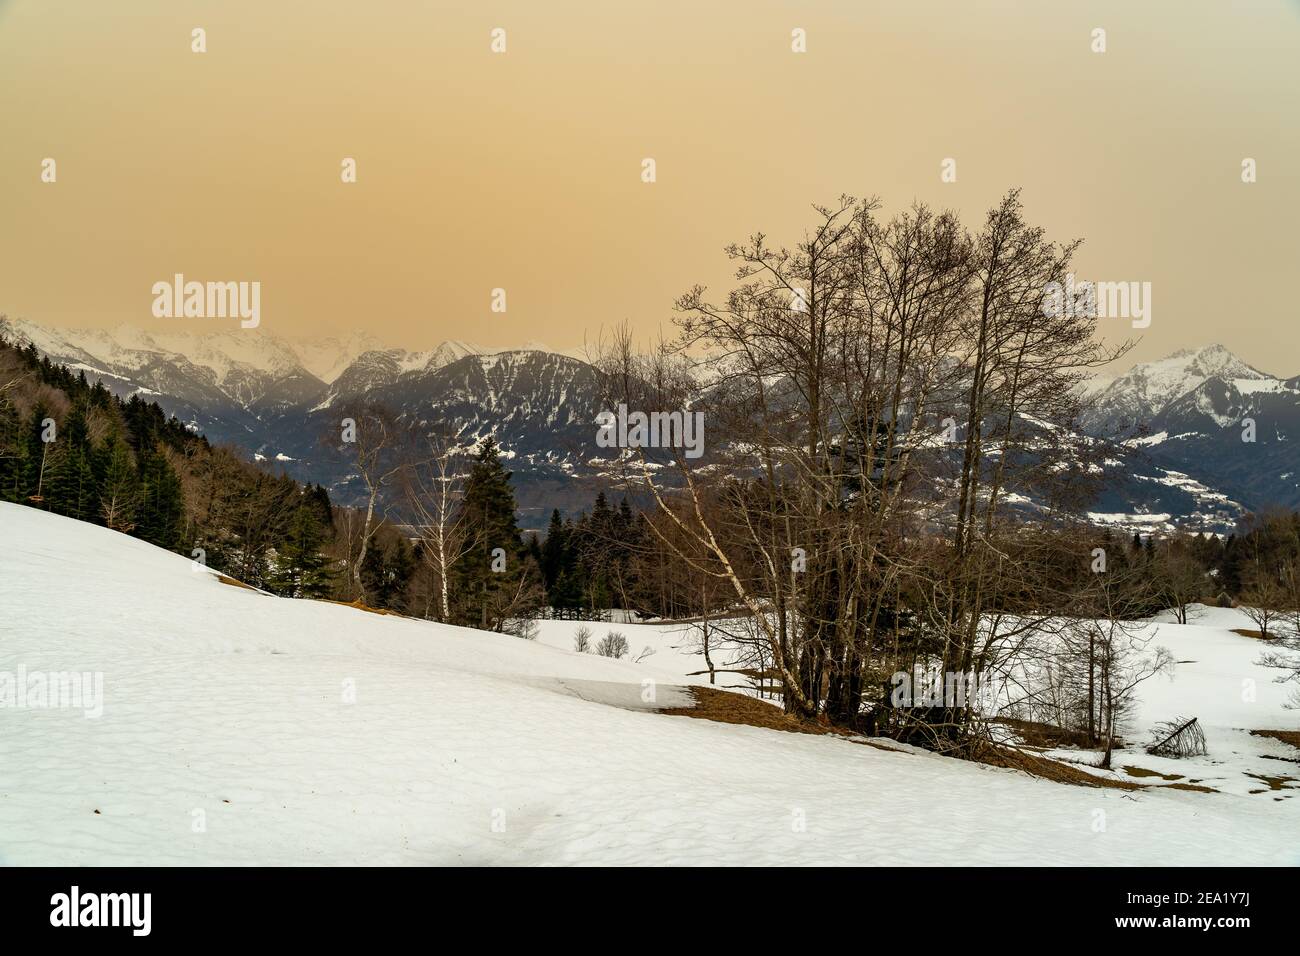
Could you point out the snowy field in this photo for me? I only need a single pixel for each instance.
(238, 728)
(1217, 681)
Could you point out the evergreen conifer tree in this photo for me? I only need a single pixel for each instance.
(69, 486)
(35, 456)
(160, 516)
(387, 571)
(13, 451)
(119, 488)
(483, 579)
(301, 570)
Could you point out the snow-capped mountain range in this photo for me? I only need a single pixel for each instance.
(1212, 416)
(1200, 436)
(276, 397)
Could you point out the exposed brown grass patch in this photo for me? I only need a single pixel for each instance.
(1046, 736)
(231, 581)
(1146, 772)
(363, 607)
(1054, 770)
(1274, 783)
(1257, 635)
(728, 708)
(1062, 772)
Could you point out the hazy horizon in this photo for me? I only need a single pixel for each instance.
(587, 351)
(522, 170)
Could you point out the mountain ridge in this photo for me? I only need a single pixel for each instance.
(1178, 417)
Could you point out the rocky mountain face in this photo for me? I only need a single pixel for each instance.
(1175, 426)
(541, 408)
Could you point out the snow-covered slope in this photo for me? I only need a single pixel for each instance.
(1218, 680)
(227, 737)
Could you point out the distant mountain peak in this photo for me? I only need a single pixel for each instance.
(1138, 396)
(1212, 360)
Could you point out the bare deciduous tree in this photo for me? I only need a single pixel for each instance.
(433, 483)
(372, 439)
(873, 396)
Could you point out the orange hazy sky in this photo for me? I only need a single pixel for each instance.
(522, 170)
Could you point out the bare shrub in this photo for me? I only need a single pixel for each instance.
(612, 645)
(582, 640)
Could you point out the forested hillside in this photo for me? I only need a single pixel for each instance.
(75, 449)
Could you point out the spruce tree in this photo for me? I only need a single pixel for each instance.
(301, 571)
(160, 516)
(488, 517)
(552, 559)
(119, 488)
(386, 572)
(35, 457)
(13, 452)
(69, 486)
(318, 499)
(488, 504)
